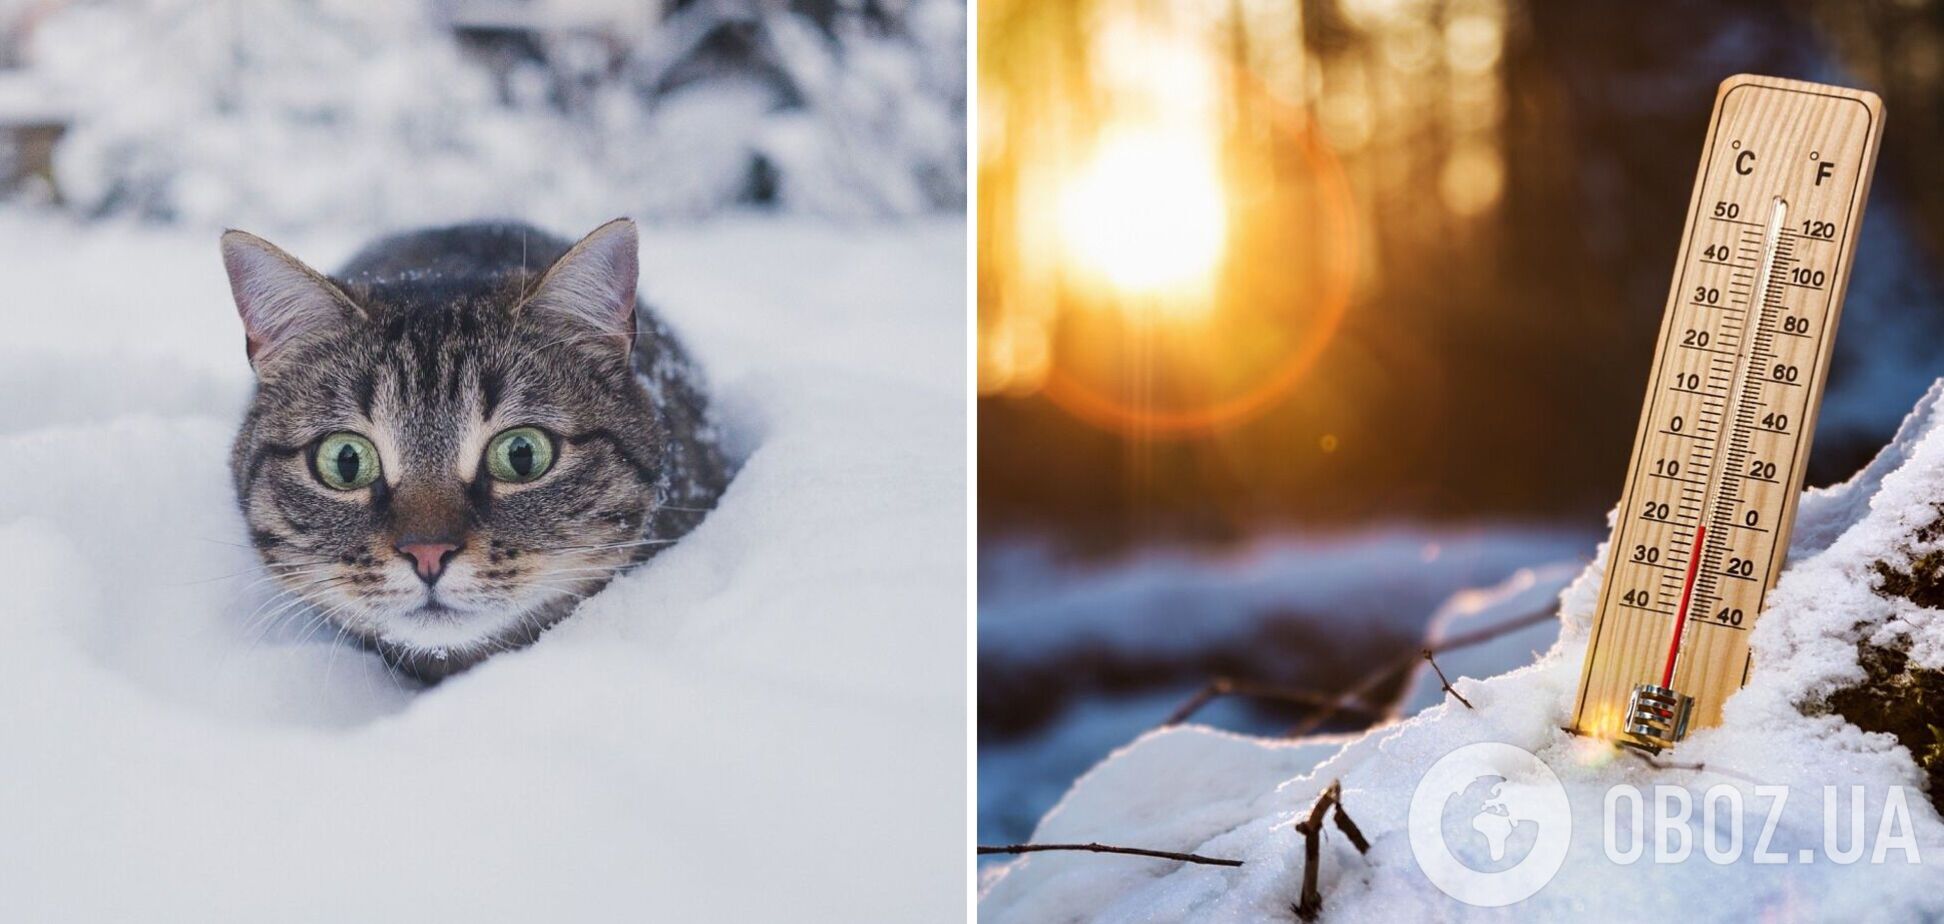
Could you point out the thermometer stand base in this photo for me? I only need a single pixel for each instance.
(1657, 717)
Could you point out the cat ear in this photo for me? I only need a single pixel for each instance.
(594, 282)
(279, 298)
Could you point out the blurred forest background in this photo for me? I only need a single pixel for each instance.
(1303, 319)
(1516, 177)
(307, 113)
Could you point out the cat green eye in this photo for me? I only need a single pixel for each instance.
(520, 454)
(347, 461)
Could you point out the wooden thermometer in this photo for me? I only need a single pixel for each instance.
(1731, 404)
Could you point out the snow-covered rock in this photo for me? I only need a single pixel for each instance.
(1187, 789)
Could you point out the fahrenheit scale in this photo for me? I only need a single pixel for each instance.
(1718, 460)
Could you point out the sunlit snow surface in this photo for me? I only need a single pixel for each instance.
(1304, 610)
(762, 724)
(1196, 789)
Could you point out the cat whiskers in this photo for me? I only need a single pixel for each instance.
(557, 591)
(614, 545)
(262, 623)
(260, 566)
(566, 579)
(282, 576)
(585, 567)
(337, 641)
(326, 616)
(283, 595)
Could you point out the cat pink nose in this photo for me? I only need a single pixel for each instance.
(429, 557)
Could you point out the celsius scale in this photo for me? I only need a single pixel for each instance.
(1718, 459)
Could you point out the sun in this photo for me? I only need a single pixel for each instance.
(1146, 215)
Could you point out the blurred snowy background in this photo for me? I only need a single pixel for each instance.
(720, 735)
(297, 114)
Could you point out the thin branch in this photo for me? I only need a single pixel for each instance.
(1228, 686)
(1445, 680)
(1494, 631)
(1361, 691)
(1104, 848)
(1209, 692)
(1310, 902)
(1324, 799)
(1403, 665)
(1658, 764)
(1351, 701)
(1655, 762)
(1348, 827)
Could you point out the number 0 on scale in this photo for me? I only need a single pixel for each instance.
(1718, 460)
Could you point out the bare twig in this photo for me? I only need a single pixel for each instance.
(1494, 631)
(1445, 680)
(1228, 686)
(1105, 848)
(1348, 827)
(1658, 764)
(1404, 664)
(1209, 692)
(1353, 701)
(1310, 903)
(1653, 761)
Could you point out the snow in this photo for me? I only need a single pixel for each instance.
(1033, 606)
(759, 724)
(1065, 638)
(1527, 591)
(337, 113)
(1022, 776)
(1192, 789)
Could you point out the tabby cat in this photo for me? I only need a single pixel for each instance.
(446, 451)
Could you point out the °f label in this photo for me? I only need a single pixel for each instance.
(1718, 460)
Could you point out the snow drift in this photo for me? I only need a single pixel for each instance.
(719, 735)
(1061, 643)
(1852, 632)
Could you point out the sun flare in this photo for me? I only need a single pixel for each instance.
(1146, 215)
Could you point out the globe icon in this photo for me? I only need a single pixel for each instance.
(1482, 832)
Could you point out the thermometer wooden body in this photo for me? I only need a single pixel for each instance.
(1718, 460)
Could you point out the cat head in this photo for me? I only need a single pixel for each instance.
(442, 463)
